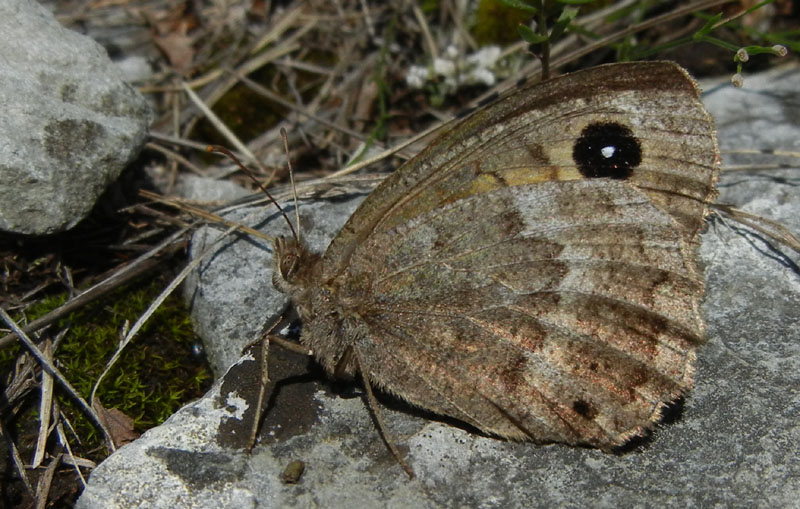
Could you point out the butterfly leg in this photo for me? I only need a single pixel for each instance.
(376, 412)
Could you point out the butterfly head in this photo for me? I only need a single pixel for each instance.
(294, 269)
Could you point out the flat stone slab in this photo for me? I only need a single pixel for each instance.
(733, 441)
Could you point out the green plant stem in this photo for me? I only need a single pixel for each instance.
(545, 56)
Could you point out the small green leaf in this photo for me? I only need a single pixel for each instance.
(518, 4)
(563, 21)
(708, 27)
(575, 2)
(530, 36)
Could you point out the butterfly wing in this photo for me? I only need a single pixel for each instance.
(530, 136)
(533, 273)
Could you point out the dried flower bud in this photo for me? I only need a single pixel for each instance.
(742, 55)
(780, 50)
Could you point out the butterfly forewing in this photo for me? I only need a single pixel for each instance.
(533, 272)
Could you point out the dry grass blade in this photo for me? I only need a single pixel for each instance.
(23, 380)
(176, 157)
(767, 227)
(433, 49)
(45, 481)
(221, 127)
(173, 140)
(386, 153)
(769, 153)
(62, 437)
(286, 46)
(45, 408)
(204, 214)
(272, 96)
(50, 367)
(78, 462)
(756, 167)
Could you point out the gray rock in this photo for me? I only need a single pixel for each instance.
(734, 443)
(69, 123)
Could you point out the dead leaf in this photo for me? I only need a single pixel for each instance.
(118, 424)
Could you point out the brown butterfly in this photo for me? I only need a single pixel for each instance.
(533, 272)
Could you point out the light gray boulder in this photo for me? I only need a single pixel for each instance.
(68, 121)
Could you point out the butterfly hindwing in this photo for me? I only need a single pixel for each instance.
(533, 272)
(514, 305)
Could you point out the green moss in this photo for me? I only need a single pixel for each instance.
(156, 373)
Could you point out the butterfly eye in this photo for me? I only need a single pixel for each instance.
(287, 258)
(607, 149)
(289, 266)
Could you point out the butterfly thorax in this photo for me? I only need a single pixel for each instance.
(329, 322)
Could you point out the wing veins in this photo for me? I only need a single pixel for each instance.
(547, 231)
(486, 395)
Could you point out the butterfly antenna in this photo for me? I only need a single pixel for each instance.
(229, 154)
(291, 179)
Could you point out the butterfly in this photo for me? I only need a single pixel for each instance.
(533, 272)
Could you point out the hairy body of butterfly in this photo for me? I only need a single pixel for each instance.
(533, 272)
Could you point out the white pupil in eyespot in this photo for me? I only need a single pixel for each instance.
(608, 152)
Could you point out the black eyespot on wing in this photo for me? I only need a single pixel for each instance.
(607, 150)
